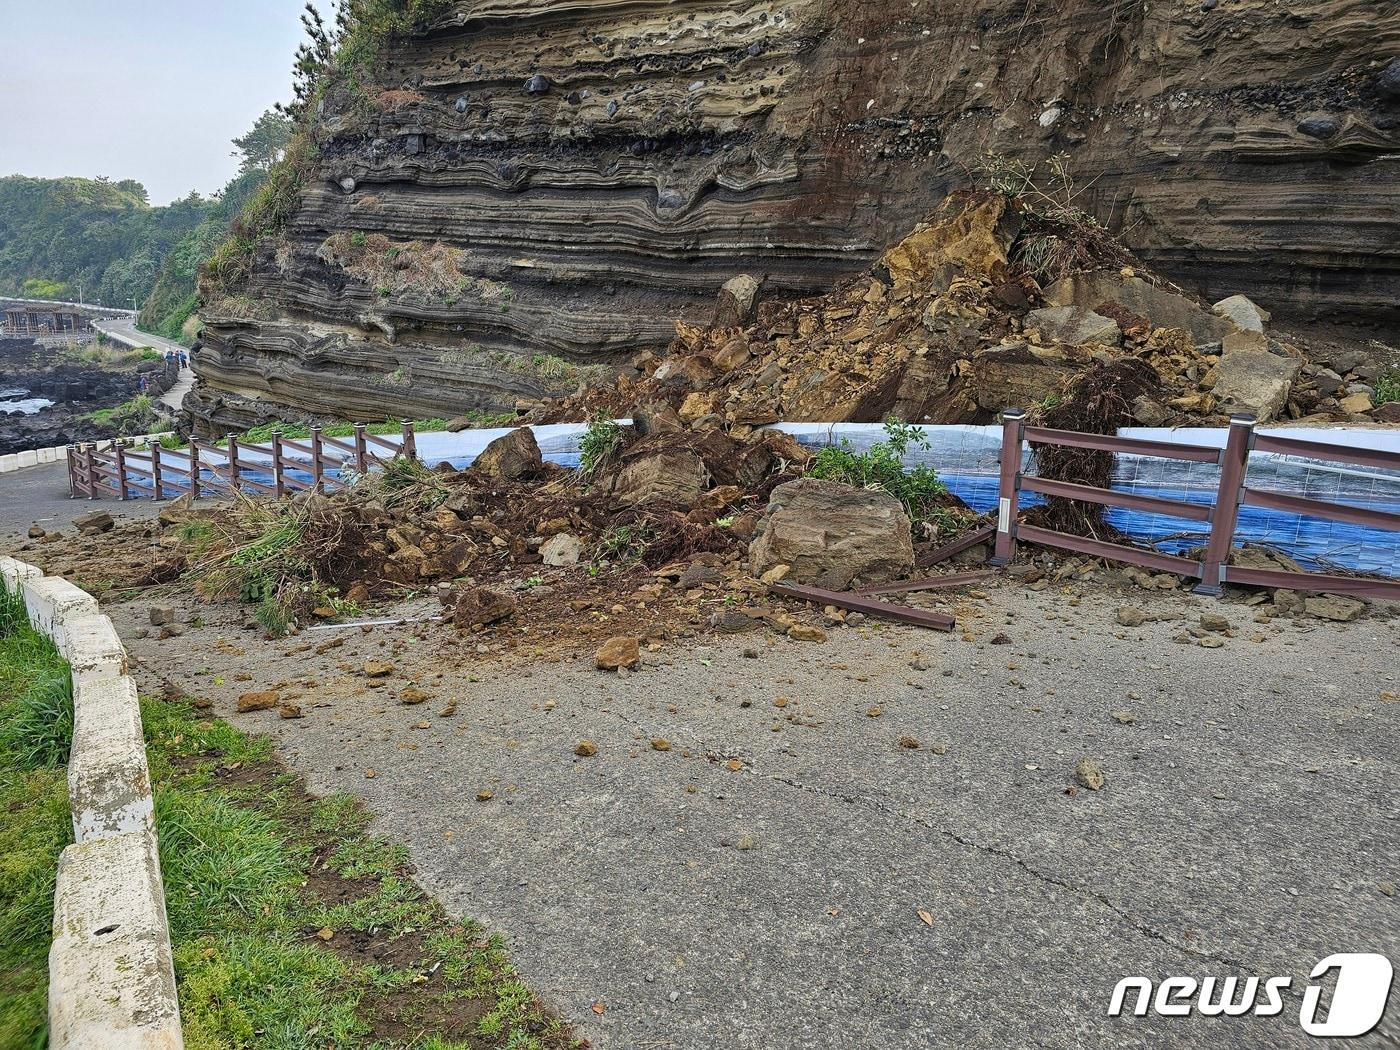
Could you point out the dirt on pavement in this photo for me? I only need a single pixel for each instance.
(883, 840)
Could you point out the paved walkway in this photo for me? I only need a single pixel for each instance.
(820, 886)
(124, 330)
(39, 496)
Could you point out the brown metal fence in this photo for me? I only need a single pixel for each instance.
(1233, 492)
(279, 468)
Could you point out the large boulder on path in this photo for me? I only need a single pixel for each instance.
(512, 456)
(664, 476)
(829, 534)
(1074, 326)
(1255, 381)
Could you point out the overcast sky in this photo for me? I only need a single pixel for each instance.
(152, 90)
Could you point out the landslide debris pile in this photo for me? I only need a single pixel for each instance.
(985, 305)
(660, 531)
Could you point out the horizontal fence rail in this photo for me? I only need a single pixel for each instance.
(1233, 492)
(278, 468)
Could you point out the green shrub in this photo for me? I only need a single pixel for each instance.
(881, 467)
(1388, 387)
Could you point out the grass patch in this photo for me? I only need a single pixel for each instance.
(294, 928)
(36, 723)
(600, 442)
(136, 415)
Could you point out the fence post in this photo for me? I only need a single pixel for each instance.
(119, 455)
(277, 463)
(233, 463)
(317, 482)
(1013, 425)
(361, 459)
(91, 464)
(194, 467)
(155, 471)
(409, 447)
(1234, 462)
(72, 473)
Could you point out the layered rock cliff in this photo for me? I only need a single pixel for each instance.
(530, 188)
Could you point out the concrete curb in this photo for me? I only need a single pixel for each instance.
(111, 974)
(37, 457)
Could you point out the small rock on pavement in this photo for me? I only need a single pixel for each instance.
(1089, 773)
(36, 532)
(1124, 718)
(259, 701)
(730, 620)
(1214, 621)
(378, 668)
(291, 711)
(585, 749)
(94, 521)
(805, 632)
(1130, 616)
(412, 695)
(618, 652)
(161, 615)
(1334, 607)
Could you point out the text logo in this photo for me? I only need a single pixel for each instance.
(1358, 998)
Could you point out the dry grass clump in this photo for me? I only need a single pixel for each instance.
(398, 268)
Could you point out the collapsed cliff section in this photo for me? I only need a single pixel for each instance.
(524, 190)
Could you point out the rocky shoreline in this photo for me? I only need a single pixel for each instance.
(76, 389)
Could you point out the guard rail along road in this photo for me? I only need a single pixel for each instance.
(1233, 492)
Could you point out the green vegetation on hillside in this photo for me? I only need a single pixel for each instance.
(346, 54)
(60, 237)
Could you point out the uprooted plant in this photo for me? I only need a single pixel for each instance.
(1059, 236)
(600, 443)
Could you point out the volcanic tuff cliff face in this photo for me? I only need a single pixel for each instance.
(568, 177)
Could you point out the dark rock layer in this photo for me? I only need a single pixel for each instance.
(568, 178)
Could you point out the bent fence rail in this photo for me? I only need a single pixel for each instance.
(1223, 515)
(204, 469)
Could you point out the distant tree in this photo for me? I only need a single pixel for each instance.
(264, 145)
(313, 59)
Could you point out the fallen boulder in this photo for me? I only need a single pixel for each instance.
(480, 607)
(1163, 308)
(668, 476)
(737, 300)
(1243, 312)
(561, 550)
(1074, 326)
(830, 534)
(1255, 381)
(512, 456)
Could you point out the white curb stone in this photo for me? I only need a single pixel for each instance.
(111, 976)
(51, 600)
(15, 573)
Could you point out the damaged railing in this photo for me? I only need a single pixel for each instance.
(1233, 460)
(277, 468)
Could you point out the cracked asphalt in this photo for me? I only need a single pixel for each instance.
(1249, 825)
